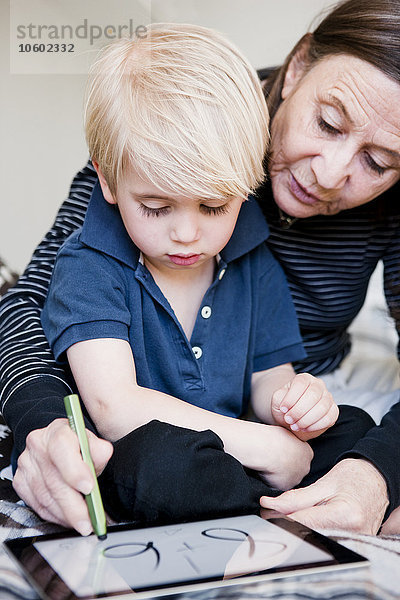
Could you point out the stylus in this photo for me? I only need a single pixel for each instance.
(93, 500)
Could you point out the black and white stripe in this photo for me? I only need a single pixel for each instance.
(24, 352)
(8, 278)
(328, 261)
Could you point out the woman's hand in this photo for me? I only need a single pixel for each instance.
(51, 475)
(305, 406)
(352, 496)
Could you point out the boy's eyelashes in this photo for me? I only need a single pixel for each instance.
(163, 210)
(215, 210)
(153, 212)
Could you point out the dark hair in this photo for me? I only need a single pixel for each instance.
(366, 29)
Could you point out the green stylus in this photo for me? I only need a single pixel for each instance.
(93, 500)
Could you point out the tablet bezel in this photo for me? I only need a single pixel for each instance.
(22, 550)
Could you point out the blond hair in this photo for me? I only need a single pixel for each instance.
(181, 107)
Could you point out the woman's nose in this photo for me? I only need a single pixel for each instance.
(332, 166)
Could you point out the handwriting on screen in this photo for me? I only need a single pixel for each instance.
(139, 559)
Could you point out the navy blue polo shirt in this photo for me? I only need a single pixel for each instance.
(246, 321)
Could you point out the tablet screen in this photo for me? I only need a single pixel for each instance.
(158, 558)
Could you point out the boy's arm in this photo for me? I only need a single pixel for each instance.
(104, 371)
(300, 402)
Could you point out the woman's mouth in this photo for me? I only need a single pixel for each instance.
(301, 193)
(184, 259)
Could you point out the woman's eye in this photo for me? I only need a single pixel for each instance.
(214, 210)
(153, 212)
(374, 165)
(327, 127)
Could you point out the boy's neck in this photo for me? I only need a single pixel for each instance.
(184, 289)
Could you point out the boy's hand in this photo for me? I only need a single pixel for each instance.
(279, 457)
(286, 459)
(304, 406)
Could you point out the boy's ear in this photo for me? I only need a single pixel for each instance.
(297, 65)
(104, 185)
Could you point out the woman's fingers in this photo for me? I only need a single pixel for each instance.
(51, 475)
(100, 451)
(352, 496)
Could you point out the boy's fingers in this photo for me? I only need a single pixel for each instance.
(314, 396)
(321, 415)
(302, 384)
(295, 389)
(324, 422)
(278, 396)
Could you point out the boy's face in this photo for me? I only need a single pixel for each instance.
(173, 232)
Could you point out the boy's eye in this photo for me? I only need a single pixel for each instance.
(327, 127)
(214, 210)
(153, 212)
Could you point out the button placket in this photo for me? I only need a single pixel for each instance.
(201, 328)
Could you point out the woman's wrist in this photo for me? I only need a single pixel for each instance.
(369, 472)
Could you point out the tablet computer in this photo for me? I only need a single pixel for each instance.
(156, 561)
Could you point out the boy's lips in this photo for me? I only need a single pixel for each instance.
(184, 259)
(301, 192)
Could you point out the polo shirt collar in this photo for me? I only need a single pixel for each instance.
(104, 230)
(250, 231)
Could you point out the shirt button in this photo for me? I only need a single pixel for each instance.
(197, 352)
(220, 276)
(206, 312)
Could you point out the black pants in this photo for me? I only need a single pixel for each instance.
(161, 473)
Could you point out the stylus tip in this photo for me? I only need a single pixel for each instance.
(102, 537)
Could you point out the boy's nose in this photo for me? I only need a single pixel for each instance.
(185, 229)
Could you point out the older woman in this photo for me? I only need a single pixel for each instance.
(331, 203)
(335, 150)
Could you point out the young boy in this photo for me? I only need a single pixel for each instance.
(172, 312)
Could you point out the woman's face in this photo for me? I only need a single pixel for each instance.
(335, 137)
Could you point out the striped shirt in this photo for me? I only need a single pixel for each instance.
(328, 261)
